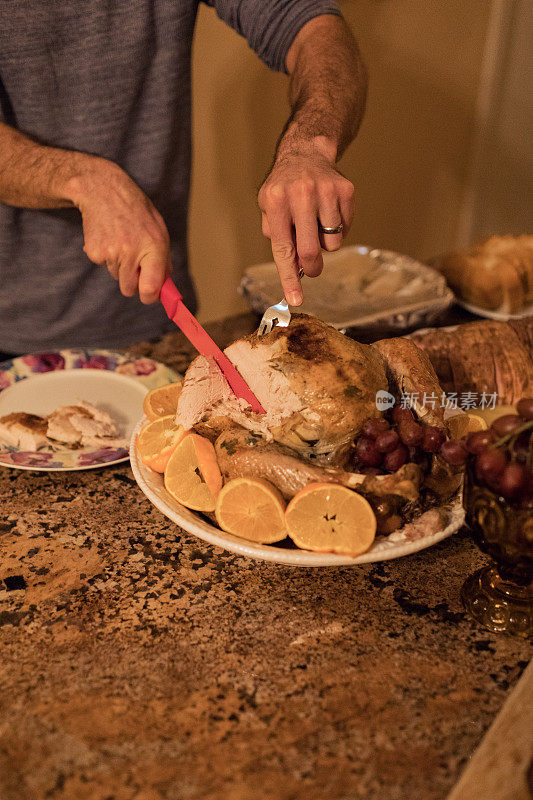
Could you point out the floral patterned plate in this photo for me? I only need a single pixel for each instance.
(114, 382)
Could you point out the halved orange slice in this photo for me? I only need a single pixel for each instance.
(462, 424)
(253, 509)
(330, 518)
(490, 414)
(163, 401)
(192, 475)
(157, 441)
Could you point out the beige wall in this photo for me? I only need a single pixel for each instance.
(408, 163)
(500, 199)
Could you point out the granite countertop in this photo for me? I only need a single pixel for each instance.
(139, 663)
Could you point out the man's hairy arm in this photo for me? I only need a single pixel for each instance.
(327, 94)
(121, 227)
(327, 87)
(33, 176)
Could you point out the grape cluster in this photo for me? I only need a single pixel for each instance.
(386, 446)
(502, 455)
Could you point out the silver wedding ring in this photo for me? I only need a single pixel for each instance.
(324, 229)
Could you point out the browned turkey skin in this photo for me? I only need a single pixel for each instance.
(242, 454)
(409, 372)
(317, 386)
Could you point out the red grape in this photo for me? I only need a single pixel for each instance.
(478, 441)
(390, 524)
(387, 441)
(433, 438)
(367, 452)
(490, 463)
(400, 414)
(373, 427)
(382, 509)
(396, 458)
(524, 407)
(411, 433)
(454, 453)
(512, 481)
(506, 424)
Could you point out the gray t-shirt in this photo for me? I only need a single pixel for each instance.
(110, 78)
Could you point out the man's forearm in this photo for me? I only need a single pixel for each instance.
(327, 88)
(34, 176)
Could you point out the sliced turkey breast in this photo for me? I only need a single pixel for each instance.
(82, 424)
(24, 431)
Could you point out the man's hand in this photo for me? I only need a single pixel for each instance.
(122, 230)
(302, 191)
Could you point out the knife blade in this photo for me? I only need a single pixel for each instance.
(178, 312)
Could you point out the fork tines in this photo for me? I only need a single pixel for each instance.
(264, 327)
(278, 314)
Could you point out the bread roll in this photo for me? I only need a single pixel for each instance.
(496, 274)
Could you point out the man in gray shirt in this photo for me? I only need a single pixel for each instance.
(95, 120)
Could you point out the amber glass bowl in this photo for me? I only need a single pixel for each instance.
(499, 596)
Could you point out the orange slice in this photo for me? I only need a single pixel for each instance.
(330, 519)
(490, 414)
(252, 509)
(157, 440)
(163, 401)
(192, 475)
(463, 424)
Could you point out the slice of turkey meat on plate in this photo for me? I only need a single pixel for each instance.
(82, 424)
(24, 431)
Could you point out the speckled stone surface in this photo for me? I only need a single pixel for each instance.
(138, 663)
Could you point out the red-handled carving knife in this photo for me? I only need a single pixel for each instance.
(180, 314)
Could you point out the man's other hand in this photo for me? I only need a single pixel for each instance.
(122, 229)
(303, 190)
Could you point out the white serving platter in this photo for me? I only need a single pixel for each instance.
(400, 543)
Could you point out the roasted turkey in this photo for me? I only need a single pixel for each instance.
(241, 454)
(316, 386)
